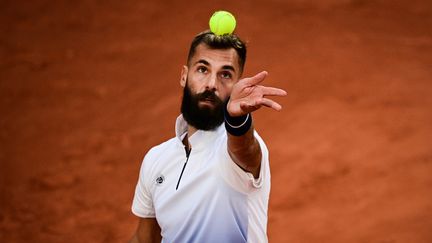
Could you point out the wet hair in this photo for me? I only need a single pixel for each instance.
(226, 41)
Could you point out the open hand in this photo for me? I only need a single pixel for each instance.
(247, 96)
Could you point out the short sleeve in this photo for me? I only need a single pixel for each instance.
(241, 180)
(142, 205)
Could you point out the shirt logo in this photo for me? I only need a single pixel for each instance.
(160, 179)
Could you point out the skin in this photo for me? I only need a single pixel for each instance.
(218, 70)
(148, 231)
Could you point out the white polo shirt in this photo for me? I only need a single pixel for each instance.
(216, 201)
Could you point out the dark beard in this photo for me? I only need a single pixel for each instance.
(206, 118)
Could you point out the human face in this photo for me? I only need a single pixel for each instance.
(207, 83)
(215, 70)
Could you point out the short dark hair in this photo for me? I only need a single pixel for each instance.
(226, 41)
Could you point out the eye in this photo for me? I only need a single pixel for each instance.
(226, 75)
(202, 69)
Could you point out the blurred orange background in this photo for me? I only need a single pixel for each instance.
(87, 87)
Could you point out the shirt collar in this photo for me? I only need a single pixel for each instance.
(200, 138)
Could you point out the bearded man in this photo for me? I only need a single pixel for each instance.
(211, 182)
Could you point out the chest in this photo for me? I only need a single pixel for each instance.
(182, 181)
(177, 174)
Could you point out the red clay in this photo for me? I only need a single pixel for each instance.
(86, 88)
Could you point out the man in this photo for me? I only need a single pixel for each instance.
(211, 182)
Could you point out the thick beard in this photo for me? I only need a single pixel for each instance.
(202, 118)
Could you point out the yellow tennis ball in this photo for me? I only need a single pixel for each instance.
(222, 22)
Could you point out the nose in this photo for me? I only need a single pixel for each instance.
(211, 82)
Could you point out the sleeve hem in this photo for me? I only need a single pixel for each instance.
(143, 214)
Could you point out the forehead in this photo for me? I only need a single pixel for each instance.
(216, 57)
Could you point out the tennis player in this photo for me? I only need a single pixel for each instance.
(211, 182)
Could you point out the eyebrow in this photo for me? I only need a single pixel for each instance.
(226, 67)
(203, 62)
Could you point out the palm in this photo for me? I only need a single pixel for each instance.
(248, 96)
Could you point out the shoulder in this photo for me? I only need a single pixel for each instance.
(159, 149)
(156, 153)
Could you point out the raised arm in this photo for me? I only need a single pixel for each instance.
(247, 96)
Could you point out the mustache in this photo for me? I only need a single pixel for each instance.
(209, 95)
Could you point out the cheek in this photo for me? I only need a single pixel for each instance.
(196, 84)
(227, 88)
(192, 86)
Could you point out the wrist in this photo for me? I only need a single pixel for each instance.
(237, 125)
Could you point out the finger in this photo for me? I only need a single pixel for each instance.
(270, 103)
(256, 79)
(249, 107)
(273, 91)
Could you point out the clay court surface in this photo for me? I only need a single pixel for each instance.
(88, 87)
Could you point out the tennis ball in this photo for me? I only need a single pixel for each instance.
(222, 22)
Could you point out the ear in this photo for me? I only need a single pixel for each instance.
(183, 77)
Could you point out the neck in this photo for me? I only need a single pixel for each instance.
(190, 131)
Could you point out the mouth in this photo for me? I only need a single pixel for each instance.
(208, 101)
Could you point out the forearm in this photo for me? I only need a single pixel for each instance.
(245, 151)
(243, 147)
